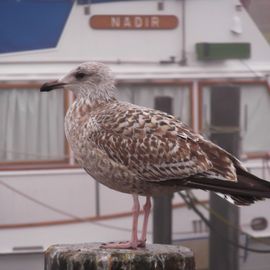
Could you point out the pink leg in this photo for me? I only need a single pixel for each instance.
(135, 213)
(133, 243)
(146, 210)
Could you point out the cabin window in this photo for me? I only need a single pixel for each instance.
(32, 125)
(255, 108)
(176, 98)
(254, 117)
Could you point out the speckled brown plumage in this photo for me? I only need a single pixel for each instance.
(143, 151)
(139, 150)
(139, 146)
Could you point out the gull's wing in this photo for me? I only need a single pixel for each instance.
(152, 144)
(158, 148)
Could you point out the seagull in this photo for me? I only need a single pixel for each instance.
(142, 151)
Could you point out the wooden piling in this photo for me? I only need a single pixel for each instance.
(92, 257)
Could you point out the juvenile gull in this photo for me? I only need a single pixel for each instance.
(142, 151)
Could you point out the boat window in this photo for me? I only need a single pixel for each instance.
(254, 117)
(32, 126)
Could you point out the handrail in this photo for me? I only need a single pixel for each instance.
(84, 219)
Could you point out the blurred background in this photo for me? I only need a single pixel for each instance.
(205, 61)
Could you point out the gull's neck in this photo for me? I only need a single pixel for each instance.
(96, 94)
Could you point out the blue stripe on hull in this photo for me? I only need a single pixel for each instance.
(32, 24)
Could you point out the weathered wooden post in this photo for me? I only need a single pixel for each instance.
(225, 118)
(92, 257)
(162, 212)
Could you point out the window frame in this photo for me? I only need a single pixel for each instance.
(68, 162)
(237, 82)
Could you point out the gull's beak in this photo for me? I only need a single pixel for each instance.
(48, 86)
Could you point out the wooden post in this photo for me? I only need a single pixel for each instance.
(92, 257)
(162, 214)
(225, 112)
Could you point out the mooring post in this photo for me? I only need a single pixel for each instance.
(92, 257)
(162, 210)
(225, 121)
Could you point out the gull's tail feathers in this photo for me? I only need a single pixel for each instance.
(248, 188)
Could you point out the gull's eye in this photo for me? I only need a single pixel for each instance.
(79, 75)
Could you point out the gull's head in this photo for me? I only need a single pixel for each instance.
(89, 80)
